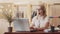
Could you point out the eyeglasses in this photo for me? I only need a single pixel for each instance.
(40, 9)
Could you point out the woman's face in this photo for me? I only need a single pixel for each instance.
(40, 11)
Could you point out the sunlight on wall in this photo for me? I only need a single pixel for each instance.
(3, 26)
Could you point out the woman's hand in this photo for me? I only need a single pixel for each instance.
(32, 29)
(40, 29)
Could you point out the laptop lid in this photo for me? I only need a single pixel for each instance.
(21, 24)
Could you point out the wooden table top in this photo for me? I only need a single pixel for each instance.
(32, 33)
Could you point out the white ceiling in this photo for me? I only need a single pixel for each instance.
(29, 1)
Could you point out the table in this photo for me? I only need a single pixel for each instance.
(32, 33)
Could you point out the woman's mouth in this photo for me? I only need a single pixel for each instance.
(39, 13)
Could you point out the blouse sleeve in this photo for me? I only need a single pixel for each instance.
(47, 19)
(33, 20)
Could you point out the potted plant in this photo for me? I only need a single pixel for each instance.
(8, 16)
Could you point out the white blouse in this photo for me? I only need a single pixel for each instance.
(40, 22)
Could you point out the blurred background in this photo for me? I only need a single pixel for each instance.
(25, 9)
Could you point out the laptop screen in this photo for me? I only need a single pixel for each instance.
(21, 24)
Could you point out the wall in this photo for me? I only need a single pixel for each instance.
(4, 24)
(54, 10)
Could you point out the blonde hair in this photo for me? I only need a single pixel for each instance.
(44, 11)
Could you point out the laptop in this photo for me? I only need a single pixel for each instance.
(21, 24)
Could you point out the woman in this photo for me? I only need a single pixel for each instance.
(41, 21)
